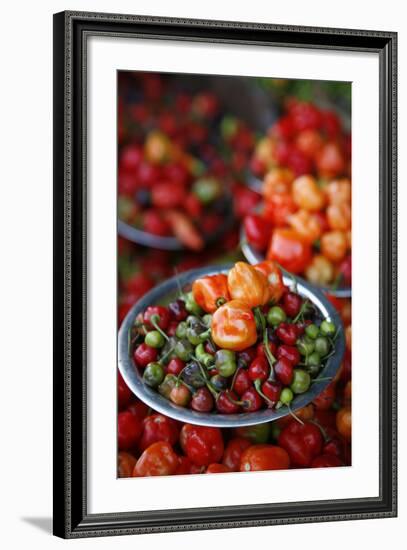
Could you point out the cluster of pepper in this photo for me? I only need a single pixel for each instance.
(151, 444)
(305, 220)
(177, 158)
(305, 226)
(235, 343)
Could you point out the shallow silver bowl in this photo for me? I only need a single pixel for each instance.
(253, 256)
(168, 290)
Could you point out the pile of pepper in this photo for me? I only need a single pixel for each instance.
(157, 444)
(305, 218)
(177, 158)
(235, 343)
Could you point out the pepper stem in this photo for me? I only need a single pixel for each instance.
(154, 319)
(257, 385)
(292, 413)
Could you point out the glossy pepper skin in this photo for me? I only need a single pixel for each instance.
(274, 277)
(157, 460)
(201, 444)
(290, 250)
(210, 291)
(233, 326)
(249, 285)
(303, 442)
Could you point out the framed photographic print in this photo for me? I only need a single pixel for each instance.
(224, 274)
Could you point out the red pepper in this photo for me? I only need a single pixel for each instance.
(158, 460)
(201, 444)
(160, 315)
(287, 333)
(303, 442)
(242, 382)
(290, 353)
(326, 461)
(158, 428)
(258, 231)
(233, 452)
(226, 403)
(288, 249)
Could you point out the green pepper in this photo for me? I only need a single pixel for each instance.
(205, 358)
(322, 346)
(181, 330)
(192, 375)
(153, 374)
(305, 345)
(183, 350)
(276, 315)
(286, 396)
(191, 306)
(314, 360)
(259, 433)
(167, 385)
(225, 362)
(301, 381)
(154, 339)
(327, 328)
(312, 331)
(206, 190)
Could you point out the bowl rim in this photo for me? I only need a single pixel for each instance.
(162, 405)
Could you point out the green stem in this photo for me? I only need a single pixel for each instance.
(153, 321)
(257, 385)
(166, 354)
(294, 415)
(321, 379)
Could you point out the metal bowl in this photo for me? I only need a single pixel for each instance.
(253, 256)
(168, 290)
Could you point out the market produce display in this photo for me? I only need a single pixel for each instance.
(179, 159)
(304, 222)
(231, 344)
(237, 342)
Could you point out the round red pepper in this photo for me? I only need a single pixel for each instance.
(258, 231)
(129, 429)
(202, 445)
(264, 457)
(233, 452)
(158, 459)
(158, 427)
(288, 249)
(303, 442)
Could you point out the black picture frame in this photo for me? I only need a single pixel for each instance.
(71, 518)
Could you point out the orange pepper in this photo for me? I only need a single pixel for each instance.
(307, 195)
(278, 208)
(339, 216)
(334, 245)
(344, 422)
(159, 459)
(249, 285)
(234, 326)
(320, 271)
(277, 181)
(211, 291)
(339, 191)
(289, 250)
(306, 224)
(274, 277)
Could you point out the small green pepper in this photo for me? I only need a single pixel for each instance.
(183, 350)
(166, 385)
(225, 362)
(154, 339)
(181, 330)
(153, 374)
(276, 315)
(206, 190)
(301, 381)
(312, 331)
(191, 306)
(322, 346)
(327, 328)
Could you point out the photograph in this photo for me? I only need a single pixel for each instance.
(234, 269)
(225, 284)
